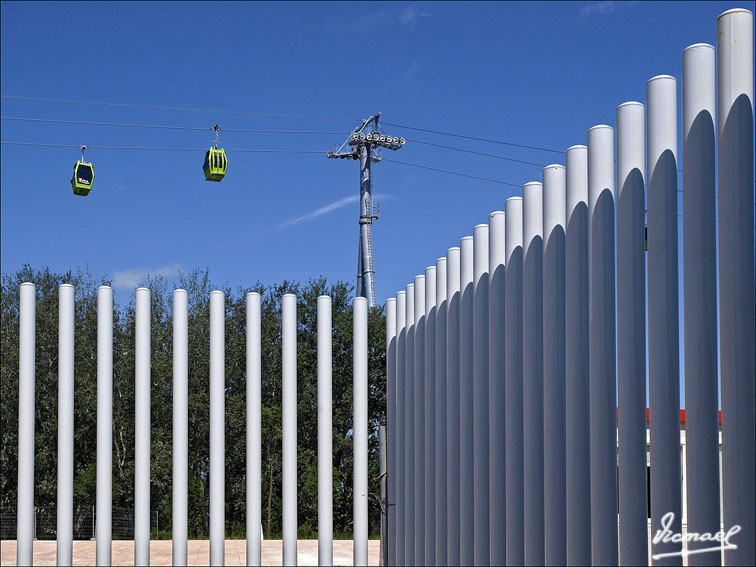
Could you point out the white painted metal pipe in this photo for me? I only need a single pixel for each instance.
(736, 276)
(496, 415)
(700, 294)
(466, 419)
(391, 425)
(663, 316)
(180, 503)
(418, 375)
(481, 461)
(325, 431)
(400, 513)
(409, 427)
(554, 445)
(382, 471)
(429, 397)
(360, 430)
(142, 415)
(104, 503)
(631, 333)
(440, 455)
(513, 382)
(289, 418)
(254, 428)
(532, 369)
(452, 404)
(26, 385)
(577, 420)
(64, 554)
(217, 428)
(602, 353)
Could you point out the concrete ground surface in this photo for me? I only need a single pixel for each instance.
(198, 552)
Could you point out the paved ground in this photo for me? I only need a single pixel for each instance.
(198, 552)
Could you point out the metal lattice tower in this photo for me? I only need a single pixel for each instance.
(364, 143)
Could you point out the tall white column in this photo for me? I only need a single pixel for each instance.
(700, 295)
(532, 369)
(466, 419)
(663, 316)
(26, 385)
(440, 464)
(577, 412)
(429, 396)
(391, 424)
(418, 375)
(254, 428)
(631, 333)
(409, 427)
(217, 428)
(104, 503)
(180, 426)
(513, 382)
(736, 276)
(554, 447)
(401, 378)
(481, 460)
(360, 430)
(289, 418)
(452, 404)
(64, 555)
(602, 354)
(142, 416)
(496, 414)
(325, 431)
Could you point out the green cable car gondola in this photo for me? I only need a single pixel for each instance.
(83, 176)
(215, 163)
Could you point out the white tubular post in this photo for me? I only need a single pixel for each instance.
(64, 555)
(700, 295)
(325, 432)
(466, 424)
(409, 427)
(142, 428)
(440, 464)
(554, 448)
(254, 428)
(452, 405)
(418, 375)
(430, 415)
(496, 415)
(399, 435)
(180, 426)
(577, 420)
(217, 428)
(391, 424)
(532, 369)
(26, 386)
(737, 317)
(513, 382)
(104, 508)
(360, 430)
(481, 460)
(289, 418)
(663, 316)
(631, 333)
(602, 354)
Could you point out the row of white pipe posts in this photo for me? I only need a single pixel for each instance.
(142, 384)
(517, 393)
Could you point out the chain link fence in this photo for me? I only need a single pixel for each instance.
(84, 523)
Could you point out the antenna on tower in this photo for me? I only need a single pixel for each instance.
(364, 143)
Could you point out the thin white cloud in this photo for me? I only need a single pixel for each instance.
(329, 208)
(130, 279)
(411, 15)
(598, 9)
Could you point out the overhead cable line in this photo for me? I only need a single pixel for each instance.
(519, 185)
(475, 153)
(160, 148)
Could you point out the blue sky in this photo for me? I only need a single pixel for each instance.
(537, 74)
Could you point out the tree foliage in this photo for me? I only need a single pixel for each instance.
(198, 286)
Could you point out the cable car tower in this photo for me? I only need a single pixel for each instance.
(364, 143)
